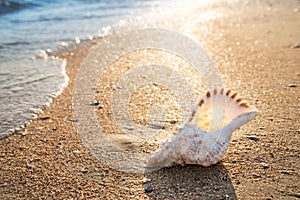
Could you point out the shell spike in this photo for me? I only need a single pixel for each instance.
(240, 120)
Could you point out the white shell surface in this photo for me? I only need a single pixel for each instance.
(191, 145)
(205, 138)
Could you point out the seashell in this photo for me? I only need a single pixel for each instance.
(204, 139)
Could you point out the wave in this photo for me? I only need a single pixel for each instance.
(14, 43)
(62, 18)
(36, 80)
(9, 6)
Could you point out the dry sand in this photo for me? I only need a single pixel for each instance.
(254, 46)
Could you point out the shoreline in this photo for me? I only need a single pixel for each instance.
(39, 112)
(253, 54)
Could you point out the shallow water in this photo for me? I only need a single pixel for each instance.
(30, 30)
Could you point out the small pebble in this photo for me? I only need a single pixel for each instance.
(75, 151)
(126, 143)
(39, 128)
(256, 175)
(295, 195)
(295, 46)
(100, 107)
(33, 116)
(17, 130)
(84, 170)
(292, 85)
(45, 117)
(24, 133)
(145, 180)
(286, 172)
(94, 103)
(21, 148)
(129, 128)
(173, 121)
(148, 189)
(265, 165)
(253, 137)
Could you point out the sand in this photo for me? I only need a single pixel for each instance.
(255, 47)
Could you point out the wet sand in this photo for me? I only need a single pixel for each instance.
(254, 47)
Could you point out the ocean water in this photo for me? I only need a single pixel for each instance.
(31, 30)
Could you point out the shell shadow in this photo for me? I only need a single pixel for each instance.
(190, 182)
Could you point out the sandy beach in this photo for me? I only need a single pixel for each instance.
(255, 46)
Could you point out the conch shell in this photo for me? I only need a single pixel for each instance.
(205, 138)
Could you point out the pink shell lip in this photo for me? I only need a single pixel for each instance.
(231, 106)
